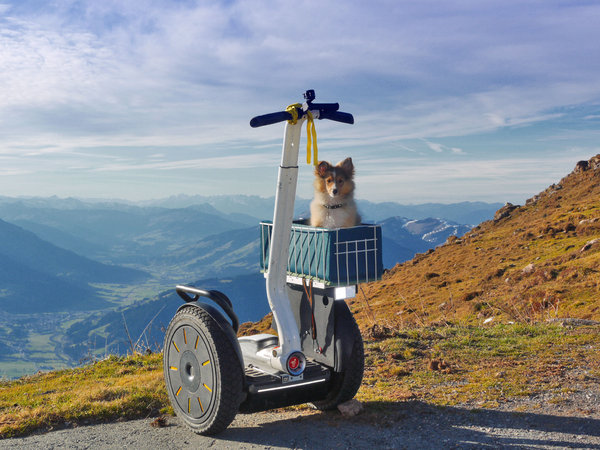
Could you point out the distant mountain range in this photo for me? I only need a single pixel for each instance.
(241, 208)
(141, 237)
(36, 276)
(403, 238)
(193, 240)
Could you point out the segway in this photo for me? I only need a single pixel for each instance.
(317, 354)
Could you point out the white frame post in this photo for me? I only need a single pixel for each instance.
(289, 336)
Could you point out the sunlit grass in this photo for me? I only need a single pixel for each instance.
(483, 367)
(130, 387)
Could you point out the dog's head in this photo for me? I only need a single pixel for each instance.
(336, 181)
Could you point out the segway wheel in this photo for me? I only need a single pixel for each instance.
(202, 372)
(345, 384)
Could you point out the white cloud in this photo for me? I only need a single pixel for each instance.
(438, 148)
(220, 162)
(421, 179)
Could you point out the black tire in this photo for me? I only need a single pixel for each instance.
(345, 384)
(202, 372)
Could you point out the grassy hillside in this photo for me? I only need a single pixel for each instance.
(533, 262)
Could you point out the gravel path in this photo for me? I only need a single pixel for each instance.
(409, 425)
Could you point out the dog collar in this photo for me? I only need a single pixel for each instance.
(333, 206)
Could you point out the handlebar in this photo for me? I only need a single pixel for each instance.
(269, 119)
(338, 116)
(323, 110)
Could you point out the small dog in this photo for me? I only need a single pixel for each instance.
(333, 205)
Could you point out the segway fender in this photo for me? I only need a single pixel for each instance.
(344, 334)
(223, 323)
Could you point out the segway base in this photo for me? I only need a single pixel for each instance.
(275, 390)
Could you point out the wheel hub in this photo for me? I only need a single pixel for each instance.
(190, 371)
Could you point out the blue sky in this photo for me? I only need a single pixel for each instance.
(453, 100)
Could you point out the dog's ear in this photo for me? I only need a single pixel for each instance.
(347, 165)
(322, 168)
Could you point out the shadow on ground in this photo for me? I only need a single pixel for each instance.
(416, 424)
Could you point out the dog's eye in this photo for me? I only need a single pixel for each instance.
(340, 181)
(329, 180)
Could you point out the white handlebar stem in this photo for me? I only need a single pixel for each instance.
(289, 336)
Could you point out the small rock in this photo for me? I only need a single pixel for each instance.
(571, 321)
(159, 422)
(451, 239)
(439, 365)
(586, 221)
(350, 408)
(529, 268)
(505, 211)
(589, 244)
(581, 166)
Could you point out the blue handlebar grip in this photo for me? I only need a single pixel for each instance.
(338, 116)
(269, 119)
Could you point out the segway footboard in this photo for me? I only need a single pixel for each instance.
(269, 391)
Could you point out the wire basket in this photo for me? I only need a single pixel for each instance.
(334, 257)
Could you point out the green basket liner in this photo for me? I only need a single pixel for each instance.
(336, 257)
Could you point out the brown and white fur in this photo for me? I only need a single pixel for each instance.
(333, 205)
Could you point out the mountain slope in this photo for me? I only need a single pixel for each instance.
(26, 248)
(531, 262)
(225, 254)
(36, 276)
(27, 291)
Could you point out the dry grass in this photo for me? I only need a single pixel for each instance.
(481, 367)
(541, 261)
(116, 388)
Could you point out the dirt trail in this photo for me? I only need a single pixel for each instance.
(410, 425)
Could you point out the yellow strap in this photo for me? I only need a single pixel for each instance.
(311, 132)
(293, 110)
